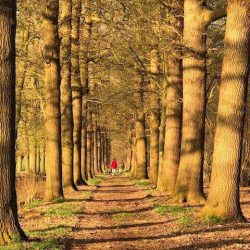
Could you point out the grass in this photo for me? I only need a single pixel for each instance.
(65, 210)
(163, 209)
(115, 210)
(33, 204)
(48, 238)
(212, 219)
(87, 195)
(55, 244)
(95, 181)
(141, 182)
(59, 200)
(185, 221)
(122, 216)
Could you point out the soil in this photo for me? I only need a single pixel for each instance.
(122, 215)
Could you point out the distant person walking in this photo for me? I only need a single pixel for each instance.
(113, 166)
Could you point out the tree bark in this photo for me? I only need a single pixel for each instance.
(154, 118)
(32, 159)
(189, 184)
(89, 148)
(141, 157)
(223, 199)
(77, 90)
(66, 95)
(95, 151)
(85, 34)
(173, 111)
(52, 100)
(9, 225)
(133, 160)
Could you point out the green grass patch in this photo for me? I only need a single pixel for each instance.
(95, 181)
(141, 182)
(55, 244)
(59, 231)
(163, 209)
(87, 195)
(116, 210)
(65, 210)
(33, 204)
(59, 200)
(185, 221)
(212, 219)
(122, 216)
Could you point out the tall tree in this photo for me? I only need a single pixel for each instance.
(9, 225)
(66, 94)
(189, 183)
(154, 117)
(76, 89)
(223, 199)
(173, 111)
(52, 100)
(85, 34)
(141, 158)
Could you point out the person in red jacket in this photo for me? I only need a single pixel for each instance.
(113, 166)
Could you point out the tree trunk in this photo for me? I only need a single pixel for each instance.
(141, 157)
(154, 118)
(77, 90)
(89, 148)
(52, 101)
(95, 151)
(38, 159)
(66, 95)
(133, 160)
(161, 140)
(170, 165)
(32, 159)
(42, 159)
(19, 161)
(85, 35)
(129, 150)
(9, 225)
(189, 184)
(99, 150)
(173, 125)
(223, 199)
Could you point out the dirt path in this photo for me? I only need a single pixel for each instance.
(121, 215)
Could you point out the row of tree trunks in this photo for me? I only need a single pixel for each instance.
(181, 174)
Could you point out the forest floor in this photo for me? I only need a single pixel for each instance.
(120, 213)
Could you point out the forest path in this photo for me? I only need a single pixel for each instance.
(121, 215)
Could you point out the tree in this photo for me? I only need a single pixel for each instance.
(141, 159)
(154, 117)
(77, 90)
(9, 225)
(66, 95)
(173, 111)
(223, 199)
(189, 183)
(52, 100)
